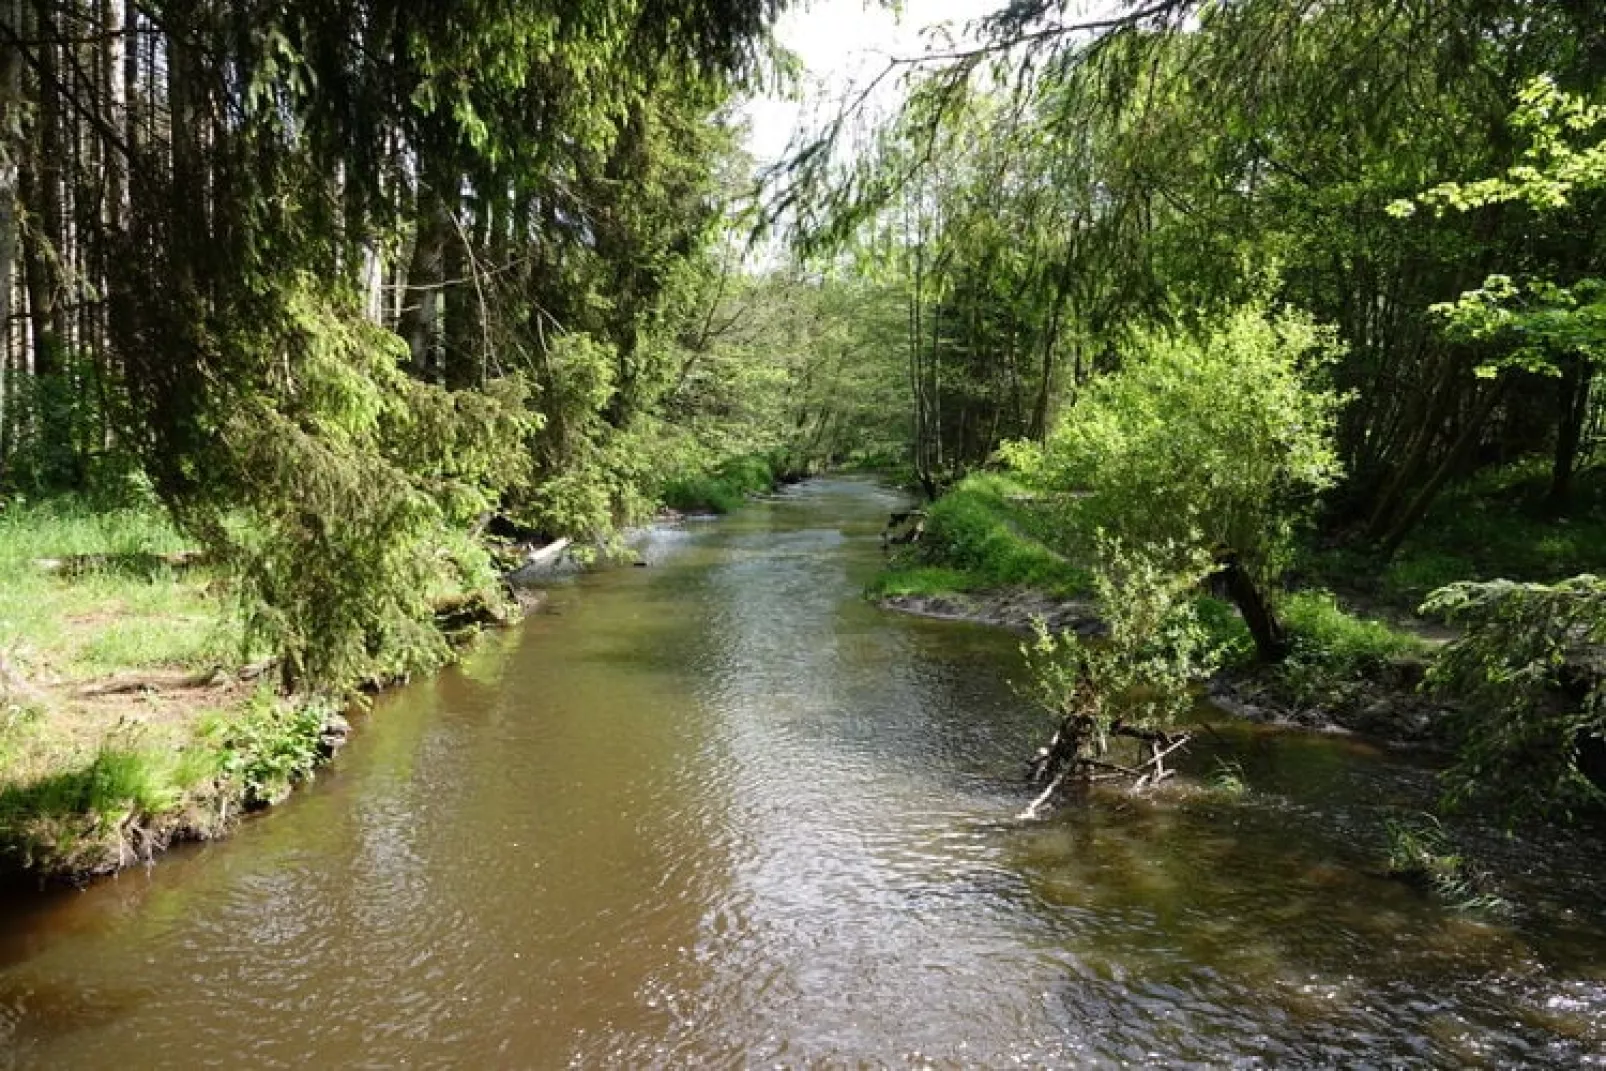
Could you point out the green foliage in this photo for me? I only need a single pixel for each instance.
(1523, 720)
(263, 751)
(1421, 851)
(1227, 779)
(1216, 442)
(1495, 524)
(1551, 171)
(78, 819)
(1140, 674)
(985, 528)
(1226, 629)
(723, 489)
(342, 489)
(1331, 646)
(925, 580)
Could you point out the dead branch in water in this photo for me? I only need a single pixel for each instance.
(1076, 754)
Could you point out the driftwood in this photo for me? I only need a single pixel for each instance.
(538, 562)
(912, 523)
(1074, 754)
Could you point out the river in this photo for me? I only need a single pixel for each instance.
(721, 811)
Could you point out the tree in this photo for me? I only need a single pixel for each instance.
(1217, 442)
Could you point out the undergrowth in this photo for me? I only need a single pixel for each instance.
(984, 533)
(724, 488)
(1332, 647)
(1495, 525)
(128, 798)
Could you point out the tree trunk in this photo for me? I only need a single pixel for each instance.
(1418, 508)
(1573, 389)
(1271, 639)
(40, 188)
(424, 278)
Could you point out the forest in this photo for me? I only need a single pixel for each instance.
(1258, 323)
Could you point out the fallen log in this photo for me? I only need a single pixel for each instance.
(539, 562)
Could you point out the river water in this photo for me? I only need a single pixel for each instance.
(721, 811)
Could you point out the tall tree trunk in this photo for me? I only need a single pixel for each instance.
(1573, 404)
(420, 310)
(1474, 428)
(40, 187)
(11, 22)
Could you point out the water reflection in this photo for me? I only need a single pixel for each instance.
(719, 810)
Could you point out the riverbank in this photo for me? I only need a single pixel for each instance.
(133, 713)
(1384, 702)
(982, 556)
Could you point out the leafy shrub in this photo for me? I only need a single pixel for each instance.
(1141, 672)
(1330, 646)
(1218, 440)
(1523, 722)
(270, 746)
(724, 488)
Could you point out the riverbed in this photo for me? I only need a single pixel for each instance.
(723, 811)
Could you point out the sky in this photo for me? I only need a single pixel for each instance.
(845, 44)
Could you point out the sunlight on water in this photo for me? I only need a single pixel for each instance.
(720, 810)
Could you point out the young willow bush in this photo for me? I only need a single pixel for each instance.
(1132, 684)
(1215, 442)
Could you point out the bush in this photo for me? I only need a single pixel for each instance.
(1329, 645)
(725, 488)
(270, 746)
(1525, 725)
(982, 528)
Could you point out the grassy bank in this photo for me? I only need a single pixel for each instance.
(983, 534)
(987, 535)
(131, 712)
(1497, 525)
(726, 486)
(123, 715)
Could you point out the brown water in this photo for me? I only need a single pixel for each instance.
(721, 811)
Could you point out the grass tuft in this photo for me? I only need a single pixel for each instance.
(1421, 852)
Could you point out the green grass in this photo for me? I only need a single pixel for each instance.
(984, 533)
(1332, 647)
(130, 611)
(724, 488)
(83, 819)
(1493, 526)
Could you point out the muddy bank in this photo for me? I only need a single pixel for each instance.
(1387, 705)
(1018, 610)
